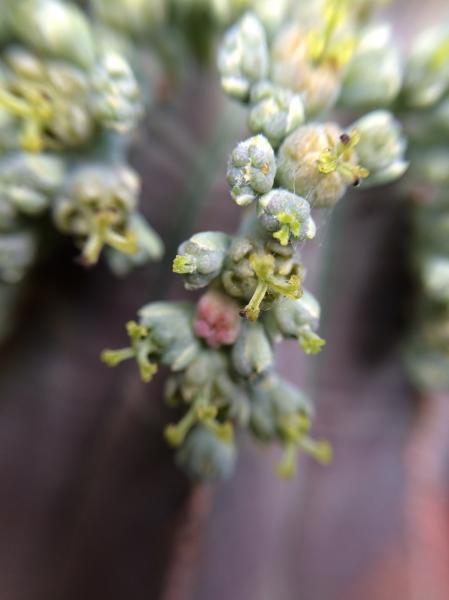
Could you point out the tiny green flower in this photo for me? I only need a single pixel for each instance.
(263, 266)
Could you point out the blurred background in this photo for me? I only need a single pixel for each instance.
(91, 504)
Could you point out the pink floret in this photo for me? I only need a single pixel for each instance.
(217, 319)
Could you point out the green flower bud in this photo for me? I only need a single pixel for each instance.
(200, 259)
(273, 400)
(294, 67)
(287, 216)
(381, 147)
(261, 277)
(427, 71)
(53, 27)
(17, 253)
(205, 456)
(197, 388)
(232, 397)
(318, 162)
(170, 330)
(116, 99)
(163, 335)
(374, 75)
(300, 319)
(133, 17)
(243, 57)
(28, 181)
(276, 111)
(251, 169)
(96, 205)
(252, 353)
(149, 247)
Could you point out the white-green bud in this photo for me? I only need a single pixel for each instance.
(287, 216)
(115, 100)
(243, 57)
(381, 147)
(293, 68)
(300, 319)
(17, 253)
(169, 327)
(200, 259)
(251, 169)
(252, 353)
(274, 399)
(318, 162)
(28, 181)
(427, 70)
(374, 75)
(276, 111)
(205, 456)
(56, 28)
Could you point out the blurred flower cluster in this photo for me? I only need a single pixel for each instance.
(289, 65)
(425, 111)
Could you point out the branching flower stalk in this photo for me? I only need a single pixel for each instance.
(221, 348)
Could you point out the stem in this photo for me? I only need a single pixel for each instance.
(252, 309)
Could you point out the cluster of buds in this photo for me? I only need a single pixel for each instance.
(426, 118)
(221, 351)
(223, 372)
(67, 104)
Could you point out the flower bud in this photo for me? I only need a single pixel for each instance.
(287, 216)
(149, 247)
(251, 169)
(252, 353)
(261, 277)
(243, 57)
(381, 147)
(217, 319)
(53, 27)
(116, 99)
(95, 206)
(294, 68)
(170, 329)
(205, 456)
(133, 17)
(318, 162)
(28, 181)
(427, 70)
(374, 75)
(17, 253)
(200, 259)
(276, 112)
(300, 319)
(272, 400)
